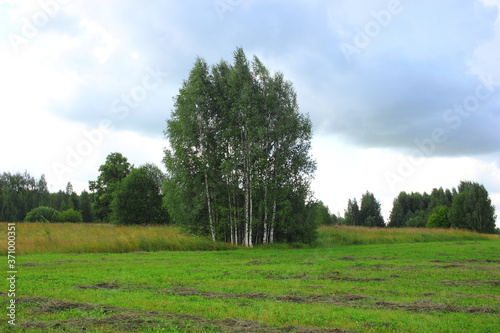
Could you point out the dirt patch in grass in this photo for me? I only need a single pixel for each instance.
(479, 296)
(344, 299)
(347, 278)
(381, 258)
(258, 262)
(340, 299)
(450, 266)
(29, 264)
(330, 276)
(429, 306)
(347, 258)
(127, 320)
(103, 285)
(471, 282)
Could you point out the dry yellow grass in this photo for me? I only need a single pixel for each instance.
(350, 235)
(100, 238)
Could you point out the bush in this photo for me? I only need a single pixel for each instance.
(71, 215)
(42, 214)
(439, 219)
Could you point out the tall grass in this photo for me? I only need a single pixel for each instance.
(351, 235)
(108, 238)
(103, 238)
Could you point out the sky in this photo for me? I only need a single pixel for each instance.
(403, 95)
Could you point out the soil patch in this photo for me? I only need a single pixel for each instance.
(330, 276)
(103, 285)
(429, 306)
(340, 299)
(348, 258)
(346, 299)
(471, 282)
(257, 262)
(125, 320)
(450, 266)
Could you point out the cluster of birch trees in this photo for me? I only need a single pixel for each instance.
(238, 163)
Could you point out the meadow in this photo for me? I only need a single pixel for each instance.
(352, 280)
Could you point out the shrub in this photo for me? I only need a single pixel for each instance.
(71, 215)
(42, 214)
(439, 219)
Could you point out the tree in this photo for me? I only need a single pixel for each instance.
(71, 215)
(439, 218)
(86, 207)
(42, 214)
(397, 218)
(370, 214)
(322, 214)
(239, 167)
(138, 198)
(472, 209)
(112, 172)
(67, 201)
(352, 214)
(19, 193)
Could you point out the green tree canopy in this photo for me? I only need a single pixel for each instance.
(138, 197)
(112, 172)
(439, 218)
(238, 165)
(370, 211)
(322, 214)
(70, 215)
(472, 209)
(352, 214)
(42, 214)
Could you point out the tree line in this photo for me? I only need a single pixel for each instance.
(466, 207)
(20, 193)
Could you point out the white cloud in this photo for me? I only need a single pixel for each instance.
(66, 75)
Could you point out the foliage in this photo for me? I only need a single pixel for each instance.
(352, 214)
(439, 219)
(468, 208)
(417, 219)
(239, 167)
(42, 214)
(472, 209)
(138, 198)
(20, 193)
(86, 207)
(370, 214)
(71, 215)
(112, 172)
(322, 215)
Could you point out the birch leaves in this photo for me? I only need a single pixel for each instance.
(239, 161)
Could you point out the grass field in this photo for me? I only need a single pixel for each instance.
(406, 280)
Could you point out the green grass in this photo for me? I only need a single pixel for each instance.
(410, 283)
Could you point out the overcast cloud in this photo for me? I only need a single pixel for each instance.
(403, 95)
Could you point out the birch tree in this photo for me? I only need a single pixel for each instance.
(237, 136)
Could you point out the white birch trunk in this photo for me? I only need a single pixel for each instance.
(273, 222)
(264, 237)
(210, 217)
